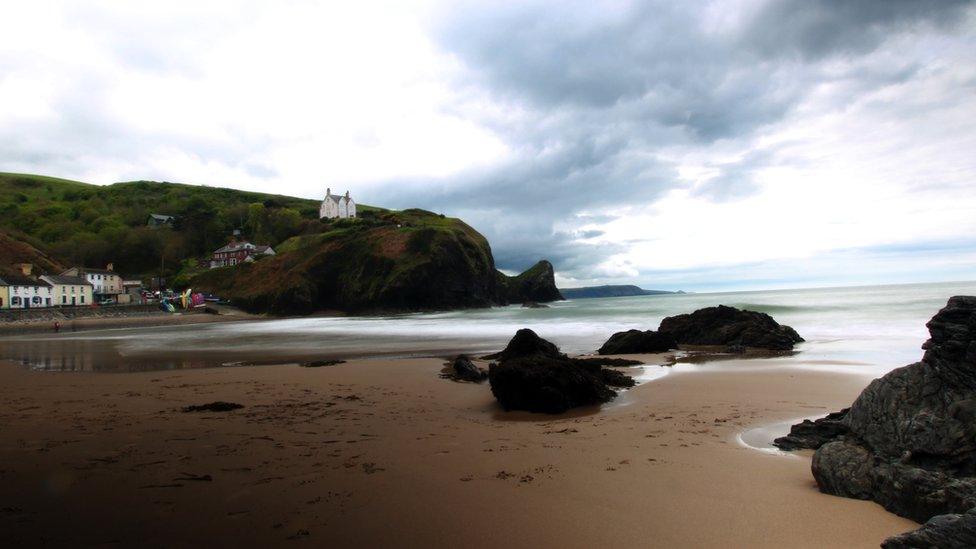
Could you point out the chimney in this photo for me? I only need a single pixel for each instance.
(347, 195)
(328, 191)
(110, 267)
(25, 268)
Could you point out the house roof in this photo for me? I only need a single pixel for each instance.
(161, 217)
(82, 271)
(13, 280)
(233, 247)
(237, 246)
(72, 280)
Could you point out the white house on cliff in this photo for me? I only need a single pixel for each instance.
(335, 206)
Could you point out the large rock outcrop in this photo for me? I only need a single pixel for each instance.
(729, 326)
(637, 341)
(909, 440)
(531, 374)
(410, 260)
(537, 284)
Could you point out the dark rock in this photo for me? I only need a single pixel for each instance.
(534, 305)
(531, 374)
(730, 326)
(321, 363)
(945, 531)
(910, 443)
(636, 341)
(465, 370)
(814, 434)
(616, 378)
(537, 284)
(540, 384)
(527, 343)
(216, 406)
(844, 469)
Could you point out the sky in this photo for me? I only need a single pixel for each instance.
(676, 145)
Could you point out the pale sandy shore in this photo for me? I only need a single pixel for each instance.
(385, 453)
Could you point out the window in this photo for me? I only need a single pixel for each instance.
(82, 299)
(64, 299)
(36, 300)
(15, 300)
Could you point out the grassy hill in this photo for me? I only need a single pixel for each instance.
(82, 224)
(383, 261)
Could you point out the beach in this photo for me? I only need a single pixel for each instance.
(34, 321)
(385, 452)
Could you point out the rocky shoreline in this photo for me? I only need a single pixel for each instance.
(909, 440)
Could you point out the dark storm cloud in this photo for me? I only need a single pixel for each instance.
(818, 29)
(601, 91)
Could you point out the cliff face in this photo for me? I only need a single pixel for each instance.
(393, 261)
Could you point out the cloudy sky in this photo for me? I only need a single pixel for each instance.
(697, 145)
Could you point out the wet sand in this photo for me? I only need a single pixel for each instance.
(139, 319)
(384, 452)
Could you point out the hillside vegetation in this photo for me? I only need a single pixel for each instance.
(83, 224)
(391, 261)
(15, 250)
(382, 260)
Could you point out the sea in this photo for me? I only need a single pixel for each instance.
(866, 330)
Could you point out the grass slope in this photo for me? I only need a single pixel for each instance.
(84, 224)
(406, 260)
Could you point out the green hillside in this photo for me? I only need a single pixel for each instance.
(387, 261)
(82, 224)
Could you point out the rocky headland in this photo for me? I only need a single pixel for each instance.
(908, 441)
(410, 260)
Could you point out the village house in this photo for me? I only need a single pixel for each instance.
(69, 291)
(238, 252)
(160, 220)
(337, 206)
(26, 292)
(4, 295)
(106, 283)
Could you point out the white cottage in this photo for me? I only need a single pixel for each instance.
(26, 292)
(335, 206)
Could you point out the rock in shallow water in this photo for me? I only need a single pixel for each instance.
(814, 434)
(637, 341)
(910, 443)
(730, 326)
(531, 374)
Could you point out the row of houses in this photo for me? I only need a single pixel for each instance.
(78, 286)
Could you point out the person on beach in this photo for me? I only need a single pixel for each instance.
(57, 326)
